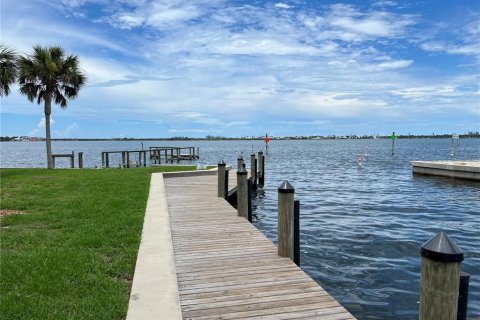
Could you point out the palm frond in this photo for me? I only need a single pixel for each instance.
(8, 69)
(54, 75)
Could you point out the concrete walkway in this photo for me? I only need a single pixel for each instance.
(154, 292)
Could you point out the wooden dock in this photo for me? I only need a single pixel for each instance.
(468, 170)
(225, 267)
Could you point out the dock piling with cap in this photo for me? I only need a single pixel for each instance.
(440, 278)
(242, 192)
(240, 162)
(222, 184)
(286, 220)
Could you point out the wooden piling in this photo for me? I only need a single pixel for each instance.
(261, 168)
(440, 278)
(72, 160)
(107, 155)
(296, 232)
(221, 179)
(144, 158)
(242, 192)
(249, 200)
(286, 220)
(103, 159)
(240, 162)
(80, 160)
(123, 159)
(463, 296)
(253, 172)
(128, 159)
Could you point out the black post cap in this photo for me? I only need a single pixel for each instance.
(222, 164)
(286, 187)
(441, 248)
(242, 171)
(252, 154)
(240, 157)
(261, 152)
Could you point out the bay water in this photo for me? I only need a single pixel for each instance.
(361, 226)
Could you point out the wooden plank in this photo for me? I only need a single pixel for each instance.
(227, 269)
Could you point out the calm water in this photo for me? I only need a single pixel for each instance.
(361, 228)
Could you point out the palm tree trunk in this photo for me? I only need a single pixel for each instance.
(48, 111)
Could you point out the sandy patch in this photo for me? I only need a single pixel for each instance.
(7, 212)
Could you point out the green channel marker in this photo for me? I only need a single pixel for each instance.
(393, 137)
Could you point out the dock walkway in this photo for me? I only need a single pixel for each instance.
(468, 170)
(226, 268)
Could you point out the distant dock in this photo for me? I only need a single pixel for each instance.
(467, 170)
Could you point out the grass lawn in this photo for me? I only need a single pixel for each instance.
(69, 252)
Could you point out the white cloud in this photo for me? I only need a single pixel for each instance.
(358, 25)
(39, 130)
(425, 92)
(283, 5)
(389, 65)
(71, 130)
(464, 39)
(217, 64)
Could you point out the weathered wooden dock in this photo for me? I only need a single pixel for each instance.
(224, 266)
(468, 170)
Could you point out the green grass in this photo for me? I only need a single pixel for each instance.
(72, 254)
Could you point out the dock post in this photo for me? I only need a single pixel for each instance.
(106, 159)
(144, 158)
(123, 159)
(440, 278)
(261, 168)
(242, 192)
(178, 155)
(53, 162)
(194, 156)
(103, 159)
(221, 179)
(286, 220)
(296, 232)
(128, 159)
(190, 153)
(239, 162)
(140, 158)
(80, 160)
(72, 160)
(225, 192)
(253, 172)
(463, 296)
(249, 199)
(198, 152)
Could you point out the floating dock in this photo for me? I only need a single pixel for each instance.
(199, 260)
(468, 170)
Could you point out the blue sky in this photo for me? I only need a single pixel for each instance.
(163, 68)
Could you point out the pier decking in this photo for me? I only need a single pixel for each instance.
(469, 170)
(224, 266)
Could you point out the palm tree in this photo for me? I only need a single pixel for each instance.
(8, 69)
(49, 75)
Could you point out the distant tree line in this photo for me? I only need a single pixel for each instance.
(470, 134)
